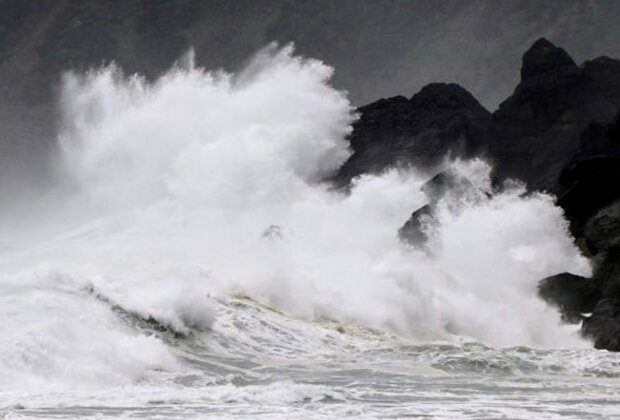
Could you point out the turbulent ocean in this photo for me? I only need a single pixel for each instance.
(190, 261)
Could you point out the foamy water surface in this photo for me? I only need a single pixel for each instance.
(191, 262)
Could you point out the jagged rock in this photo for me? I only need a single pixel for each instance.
(440, 119)
(445, 184)
(536, 132)
(603, 326)
(573, 294)
(555, 133)
(413, 231)
(543, 58)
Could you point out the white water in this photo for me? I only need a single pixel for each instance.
(179, 197)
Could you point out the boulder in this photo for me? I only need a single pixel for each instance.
(573, 294)
(558, 132)
(414, 231)
(446, 182)
(445, 185)
(603, 326)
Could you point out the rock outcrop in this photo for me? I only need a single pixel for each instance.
(439, 120)
(414, 231)
(574, 295)
(453, 189)
(558, 132)
(537, 131)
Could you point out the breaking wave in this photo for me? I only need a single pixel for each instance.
(201, 187)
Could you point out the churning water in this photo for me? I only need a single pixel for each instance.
(190, 262)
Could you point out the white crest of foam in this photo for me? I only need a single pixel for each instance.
(205, 184)
(203, 135)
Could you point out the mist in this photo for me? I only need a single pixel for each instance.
(204, 185)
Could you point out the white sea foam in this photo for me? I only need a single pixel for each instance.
(205, 185)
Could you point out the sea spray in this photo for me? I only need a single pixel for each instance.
(173, 190)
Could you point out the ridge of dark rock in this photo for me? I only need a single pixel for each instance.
(537, 130)
(558, 132)
(441, 96)
(438, 120)
(544, 57)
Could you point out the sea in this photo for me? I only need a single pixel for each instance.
(189, 258)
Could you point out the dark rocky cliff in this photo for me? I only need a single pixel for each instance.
(558, 132)
(537, 130)
(439, 120)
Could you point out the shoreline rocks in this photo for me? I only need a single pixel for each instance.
(573, 295)
(559, 132)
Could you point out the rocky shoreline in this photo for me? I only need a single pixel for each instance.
(559, 132)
